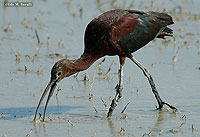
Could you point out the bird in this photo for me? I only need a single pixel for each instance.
(118, 32)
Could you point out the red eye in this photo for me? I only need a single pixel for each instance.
(59, 73)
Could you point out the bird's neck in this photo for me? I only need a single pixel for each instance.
(84, 62)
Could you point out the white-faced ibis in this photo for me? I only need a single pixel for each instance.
(115, 32)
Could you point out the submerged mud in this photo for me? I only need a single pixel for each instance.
(34, 38)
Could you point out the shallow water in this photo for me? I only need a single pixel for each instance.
(25, 71)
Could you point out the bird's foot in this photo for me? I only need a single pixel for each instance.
(115, 100)
(169, 105)
(112, 107)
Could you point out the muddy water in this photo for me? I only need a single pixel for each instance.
(25, 70)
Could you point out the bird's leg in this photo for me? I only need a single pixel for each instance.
(118, 88)
(152, 84)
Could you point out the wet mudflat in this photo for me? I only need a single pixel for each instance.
(80, 103)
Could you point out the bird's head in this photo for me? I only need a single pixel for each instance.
(60, 70)
(57, 72)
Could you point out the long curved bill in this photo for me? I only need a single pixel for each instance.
(52, 84)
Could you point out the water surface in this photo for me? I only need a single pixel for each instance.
(25, 71)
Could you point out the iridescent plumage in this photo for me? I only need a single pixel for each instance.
(115, 32)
